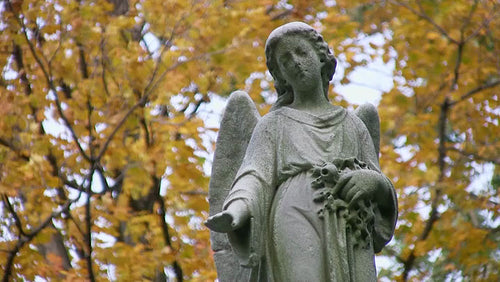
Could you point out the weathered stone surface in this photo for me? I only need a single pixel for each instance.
(228, 267)
(369, 115)
(240, 117)
(236, 128)
(303, 199)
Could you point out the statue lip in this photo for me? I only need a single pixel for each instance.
(299, 71)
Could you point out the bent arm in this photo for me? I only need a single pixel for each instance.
(385, 197)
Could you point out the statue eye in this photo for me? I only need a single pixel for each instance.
(300, 51)
(284, 57)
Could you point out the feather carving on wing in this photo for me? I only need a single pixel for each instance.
(238, 123)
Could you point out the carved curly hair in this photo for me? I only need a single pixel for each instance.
(285, 91)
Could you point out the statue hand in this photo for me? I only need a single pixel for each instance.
(236, 214)
(362, 184)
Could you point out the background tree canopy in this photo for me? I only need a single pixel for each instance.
(118, 191)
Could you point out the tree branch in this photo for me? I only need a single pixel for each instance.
(14, 149)
(433, 214)
(17, 220)
(49, 80)
(68, 124)
(166, 45)
(140, 103)
(83, 63)
(476, 90)
(424, 16)
(458, 62)
(166, 234)
(486, 22)
(88, 225)
(18, 58)
(194, 193)
(144, 124)
(466, 22)
(103, 66)
(90, 109)
(28, 237)
(475, 156)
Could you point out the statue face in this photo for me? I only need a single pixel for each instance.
(298, 62)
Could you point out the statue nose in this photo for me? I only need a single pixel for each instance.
(295, 60)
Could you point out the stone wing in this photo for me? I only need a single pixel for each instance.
(369, 115)
(238, 123)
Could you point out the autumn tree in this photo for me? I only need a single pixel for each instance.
(440, 130)
(101, 148)
(101, 175)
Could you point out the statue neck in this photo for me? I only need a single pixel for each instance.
(310, 100)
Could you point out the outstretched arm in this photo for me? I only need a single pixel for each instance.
(234, 217)
(239, 120)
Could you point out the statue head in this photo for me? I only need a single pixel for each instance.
(284, 89)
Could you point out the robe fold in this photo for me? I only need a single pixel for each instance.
(286, 239)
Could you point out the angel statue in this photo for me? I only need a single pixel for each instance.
(298, 195)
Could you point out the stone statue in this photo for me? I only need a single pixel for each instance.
(299, 192)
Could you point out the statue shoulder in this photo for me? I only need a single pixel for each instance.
(269, 122)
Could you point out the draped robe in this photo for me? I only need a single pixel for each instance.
(285, 240)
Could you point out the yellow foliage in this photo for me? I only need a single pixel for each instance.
(90, 103)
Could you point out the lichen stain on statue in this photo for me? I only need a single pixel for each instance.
(298, 195)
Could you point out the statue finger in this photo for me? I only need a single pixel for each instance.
(347, 190)
(349, 194)
(359, 195)
(343, 181)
